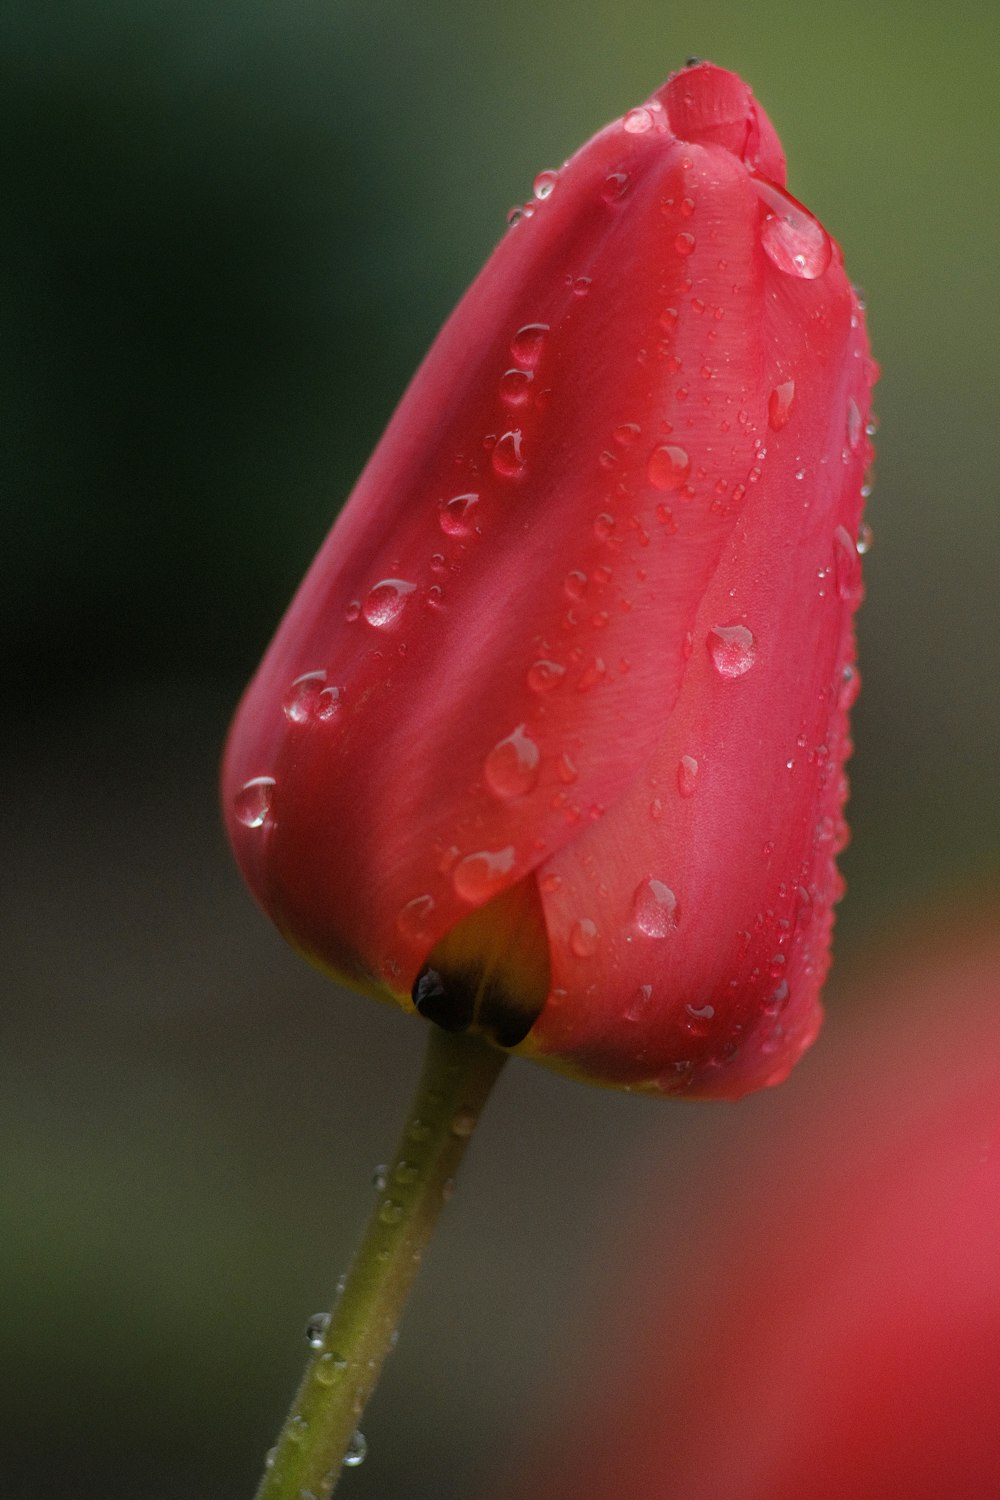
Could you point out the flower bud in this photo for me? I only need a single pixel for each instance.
(550, 742)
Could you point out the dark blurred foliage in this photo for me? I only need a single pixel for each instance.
(228, 234)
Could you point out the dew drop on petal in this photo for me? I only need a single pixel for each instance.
(614, 186)
(792, 239)
(638, 121)
(543, 184)
(309, 697)
(779, 404)
(846, 564)
(511, 768)
(543, 676)
(386, 601)
(732, 648)
(584, 938)
(507, 458)
(515, 387)
(865, 539)
(654, 909)
(526, 345)
(668, 467)
(457, 517)
(479, 876)
(252, 802)
(684, 242)
(415, 916)
(687, 775)
(699, 1018)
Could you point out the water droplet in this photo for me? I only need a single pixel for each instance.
(296, 1428)
(515, 387)
(575, 584)
(543, 676)
(526, 345)
(584, 938)
(614, 186)
(414, 918)
(511, 768)
(795, 241)
(684, 242)
(732, 648)
(639, 1003)
(626, 434)
(508, 460)
(777, 999)
(329, 1368)
(604, 526)
(463, 1123)
(380, 1177)
(654, 909)
(687, 775)
(638, 121)
(543, 184)
(390, 1212)
(582, 285)
(515, 215)
(668, 467)
(699, 1018)
(357, 1450)
(386, 601)
(855, 426)
(594, 672)
(479, 876)
(457, 517)
(846, 564)
(779, 404)
(865, 539)
(252, 802)
(316, 1329)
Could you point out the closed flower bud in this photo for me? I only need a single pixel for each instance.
(550, 743)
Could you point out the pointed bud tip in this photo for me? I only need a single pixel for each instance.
(709, 106)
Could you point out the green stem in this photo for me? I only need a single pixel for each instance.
(307, 1461)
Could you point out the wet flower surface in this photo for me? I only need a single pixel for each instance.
(564, 695)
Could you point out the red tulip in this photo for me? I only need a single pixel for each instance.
(554, 728)
(827, 1324)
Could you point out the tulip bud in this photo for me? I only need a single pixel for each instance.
(550, 742)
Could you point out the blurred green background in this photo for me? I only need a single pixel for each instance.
(229, 233)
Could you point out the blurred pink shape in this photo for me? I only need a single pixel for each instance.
(829, 1328)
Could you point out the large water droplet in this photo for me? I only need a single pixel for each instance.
(584, 938)
(511, 768)
(479, 876)
(654, 909)
(543, 184)
(357, 1451)
(457, 517)
(684, 242)
(386, 601)
(795, 241)
(543, 676)
(732, 648)
(668, 467)
(252, 802)
(779, 404)
(508, 460)
(687, 775)
(526, 345)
